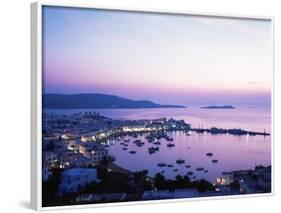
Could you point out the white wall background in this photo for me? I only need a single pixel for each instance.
(15, 107)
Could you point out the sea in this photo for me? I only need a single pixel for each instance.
(231, 152)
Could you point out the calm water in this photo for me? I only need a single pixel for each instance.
(232, 152)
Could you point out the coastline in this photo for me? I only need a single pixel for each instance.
(253, 119)
(89, 135)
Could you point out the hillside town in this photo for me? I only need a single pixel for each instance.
(77, 167)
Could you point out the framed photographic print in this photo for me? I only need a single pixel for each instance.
(135, 106)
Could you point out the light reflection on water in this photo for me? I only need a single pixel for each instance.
(232, 153)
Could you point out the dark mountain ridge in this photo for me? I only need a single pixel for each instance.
(93, 100)
(219, 107)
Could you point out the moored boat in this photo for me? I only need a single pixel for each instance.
(157, 143)
(209, 154)
(161, 164)
(140, 144)
(190, 173)
(137, 141)
(152, 149)
(180, 161)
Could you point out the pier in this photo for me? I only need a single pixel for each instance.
(215, 130)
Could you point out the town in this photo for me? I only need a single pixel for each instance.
(78, 169)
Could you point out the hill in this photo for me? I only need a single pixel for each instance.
(103, 101)
(219, 107)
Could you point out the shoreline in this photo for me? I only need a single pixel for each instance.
(191, 115)
(86, 136)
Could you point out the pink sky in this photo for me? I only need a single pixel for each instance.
(164, 58)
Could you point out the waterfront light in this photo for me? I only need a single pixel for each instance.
(64, 136)
(70, 148)
(83, 139)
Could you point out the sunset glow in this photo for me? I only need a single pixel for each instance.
(155, 56)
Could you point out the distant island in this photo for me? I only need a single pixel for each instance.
(93, 100)
(218, 107)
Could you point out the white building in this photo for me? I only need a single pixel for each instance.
(94, 151)
(74, 179)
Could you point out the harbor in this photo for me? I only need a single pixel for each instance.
(140, 155)
(201, 156)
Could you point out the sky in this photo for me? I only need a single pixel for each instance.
(168, 59)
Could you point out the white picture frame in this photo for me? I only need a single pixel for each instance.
(36, 100)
